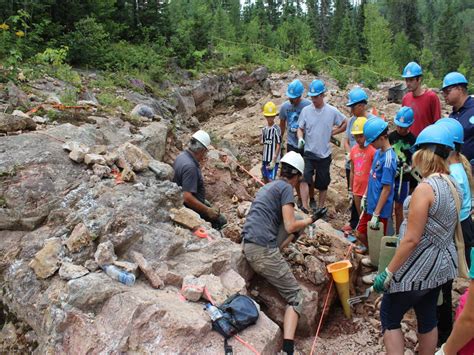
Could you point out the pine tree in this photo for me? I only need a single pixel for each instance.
(324, 24)
(404, 51)
(447, 41)
(403, 16)
(379, 42)
(342, 7)
(346, 43)
(313, 19)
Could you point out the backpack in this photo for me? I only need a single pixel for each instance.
(239, 312)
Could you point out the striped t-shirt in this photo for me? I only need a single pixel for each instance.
(271, 136)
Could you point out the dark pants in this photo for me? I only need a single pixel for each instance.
(467, 227)
(354, 215)
(445, 313)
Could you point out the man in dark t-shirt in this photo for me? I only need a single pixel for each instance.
(187, 174)
(272, 207)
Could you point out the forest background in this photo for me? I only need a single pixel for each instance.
(361, 41)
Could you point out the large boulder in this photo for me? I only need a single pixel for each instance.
(12, 123)
(154, 139)
(145, 321)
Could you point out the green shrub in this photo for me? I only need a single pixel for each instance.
(311, 61)
(88, 43)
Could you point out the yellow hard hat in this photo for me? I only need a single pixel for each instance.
(358, 126)
(270, 109)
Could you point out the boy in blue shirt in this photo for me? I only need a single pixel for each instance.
(378, 201)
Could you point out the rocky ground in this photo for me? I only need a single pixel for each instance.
(88, 185)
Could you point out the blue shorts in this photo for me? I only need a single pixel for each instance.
(403, 192)
(269, 174)
(395, 305)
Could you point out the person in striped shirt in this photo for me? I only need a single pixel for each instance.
(271, 140)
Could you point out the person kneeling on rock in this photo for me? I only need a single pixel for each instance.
(273, 206)
(187, 174)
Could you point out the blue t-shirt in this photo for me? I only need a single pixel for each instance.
(459, 174)
(291, 114)
(383, 171)
(465, 116)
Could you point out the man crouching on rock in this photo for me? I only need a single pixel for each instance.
(274, 205)
(187, 174)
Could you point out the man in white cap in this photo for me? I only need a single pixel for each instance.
(187, 174)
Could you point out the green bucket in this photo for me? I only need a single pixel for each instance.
(388, 246)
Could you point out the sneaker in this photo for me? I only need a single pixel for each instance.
(312, 204)
(367, 263)
(369, 279)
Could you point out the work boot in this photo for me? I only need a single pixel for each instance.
(367, 263)
(369, 279)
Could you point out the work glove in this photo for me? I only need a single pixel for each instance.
(301, 143)
(363, 203)
(213, 213)
(382, 281)
(441, 350)
(271, 166)
(318, 213)
(348, 157)
(351, 196)
(374, 222)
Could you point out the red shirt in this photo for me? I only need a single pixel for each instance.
(362, 160)
(426, 107)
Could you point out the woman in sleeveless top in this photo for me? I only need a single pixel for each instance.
(426, 258)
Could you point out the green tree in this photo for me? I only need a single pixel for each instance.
(404, 51)
(341, 8)
(88, 43)
(346, 44)
(448, 38)
(379, 42)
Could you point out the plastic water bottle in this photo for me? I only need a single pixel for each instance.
(120, 275)
(214, 312)
(216, 316)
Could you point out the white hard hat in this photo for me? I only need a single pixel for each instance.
(295, 160)
(203, 138)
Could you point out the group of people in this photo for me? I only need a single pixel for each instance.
(420, 173)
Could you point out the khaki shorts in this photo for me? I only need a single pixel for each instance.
(269, 263)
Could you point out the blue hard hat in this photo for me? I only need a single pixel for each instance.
(316, 88)
(453, 78)
(404, 117)
(435, 134)
(356, 95)
(454, 127)
(295, 89)
(411, 70)
(373, 128)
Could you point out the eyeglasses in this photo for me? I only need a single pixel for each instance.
(448, 90)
